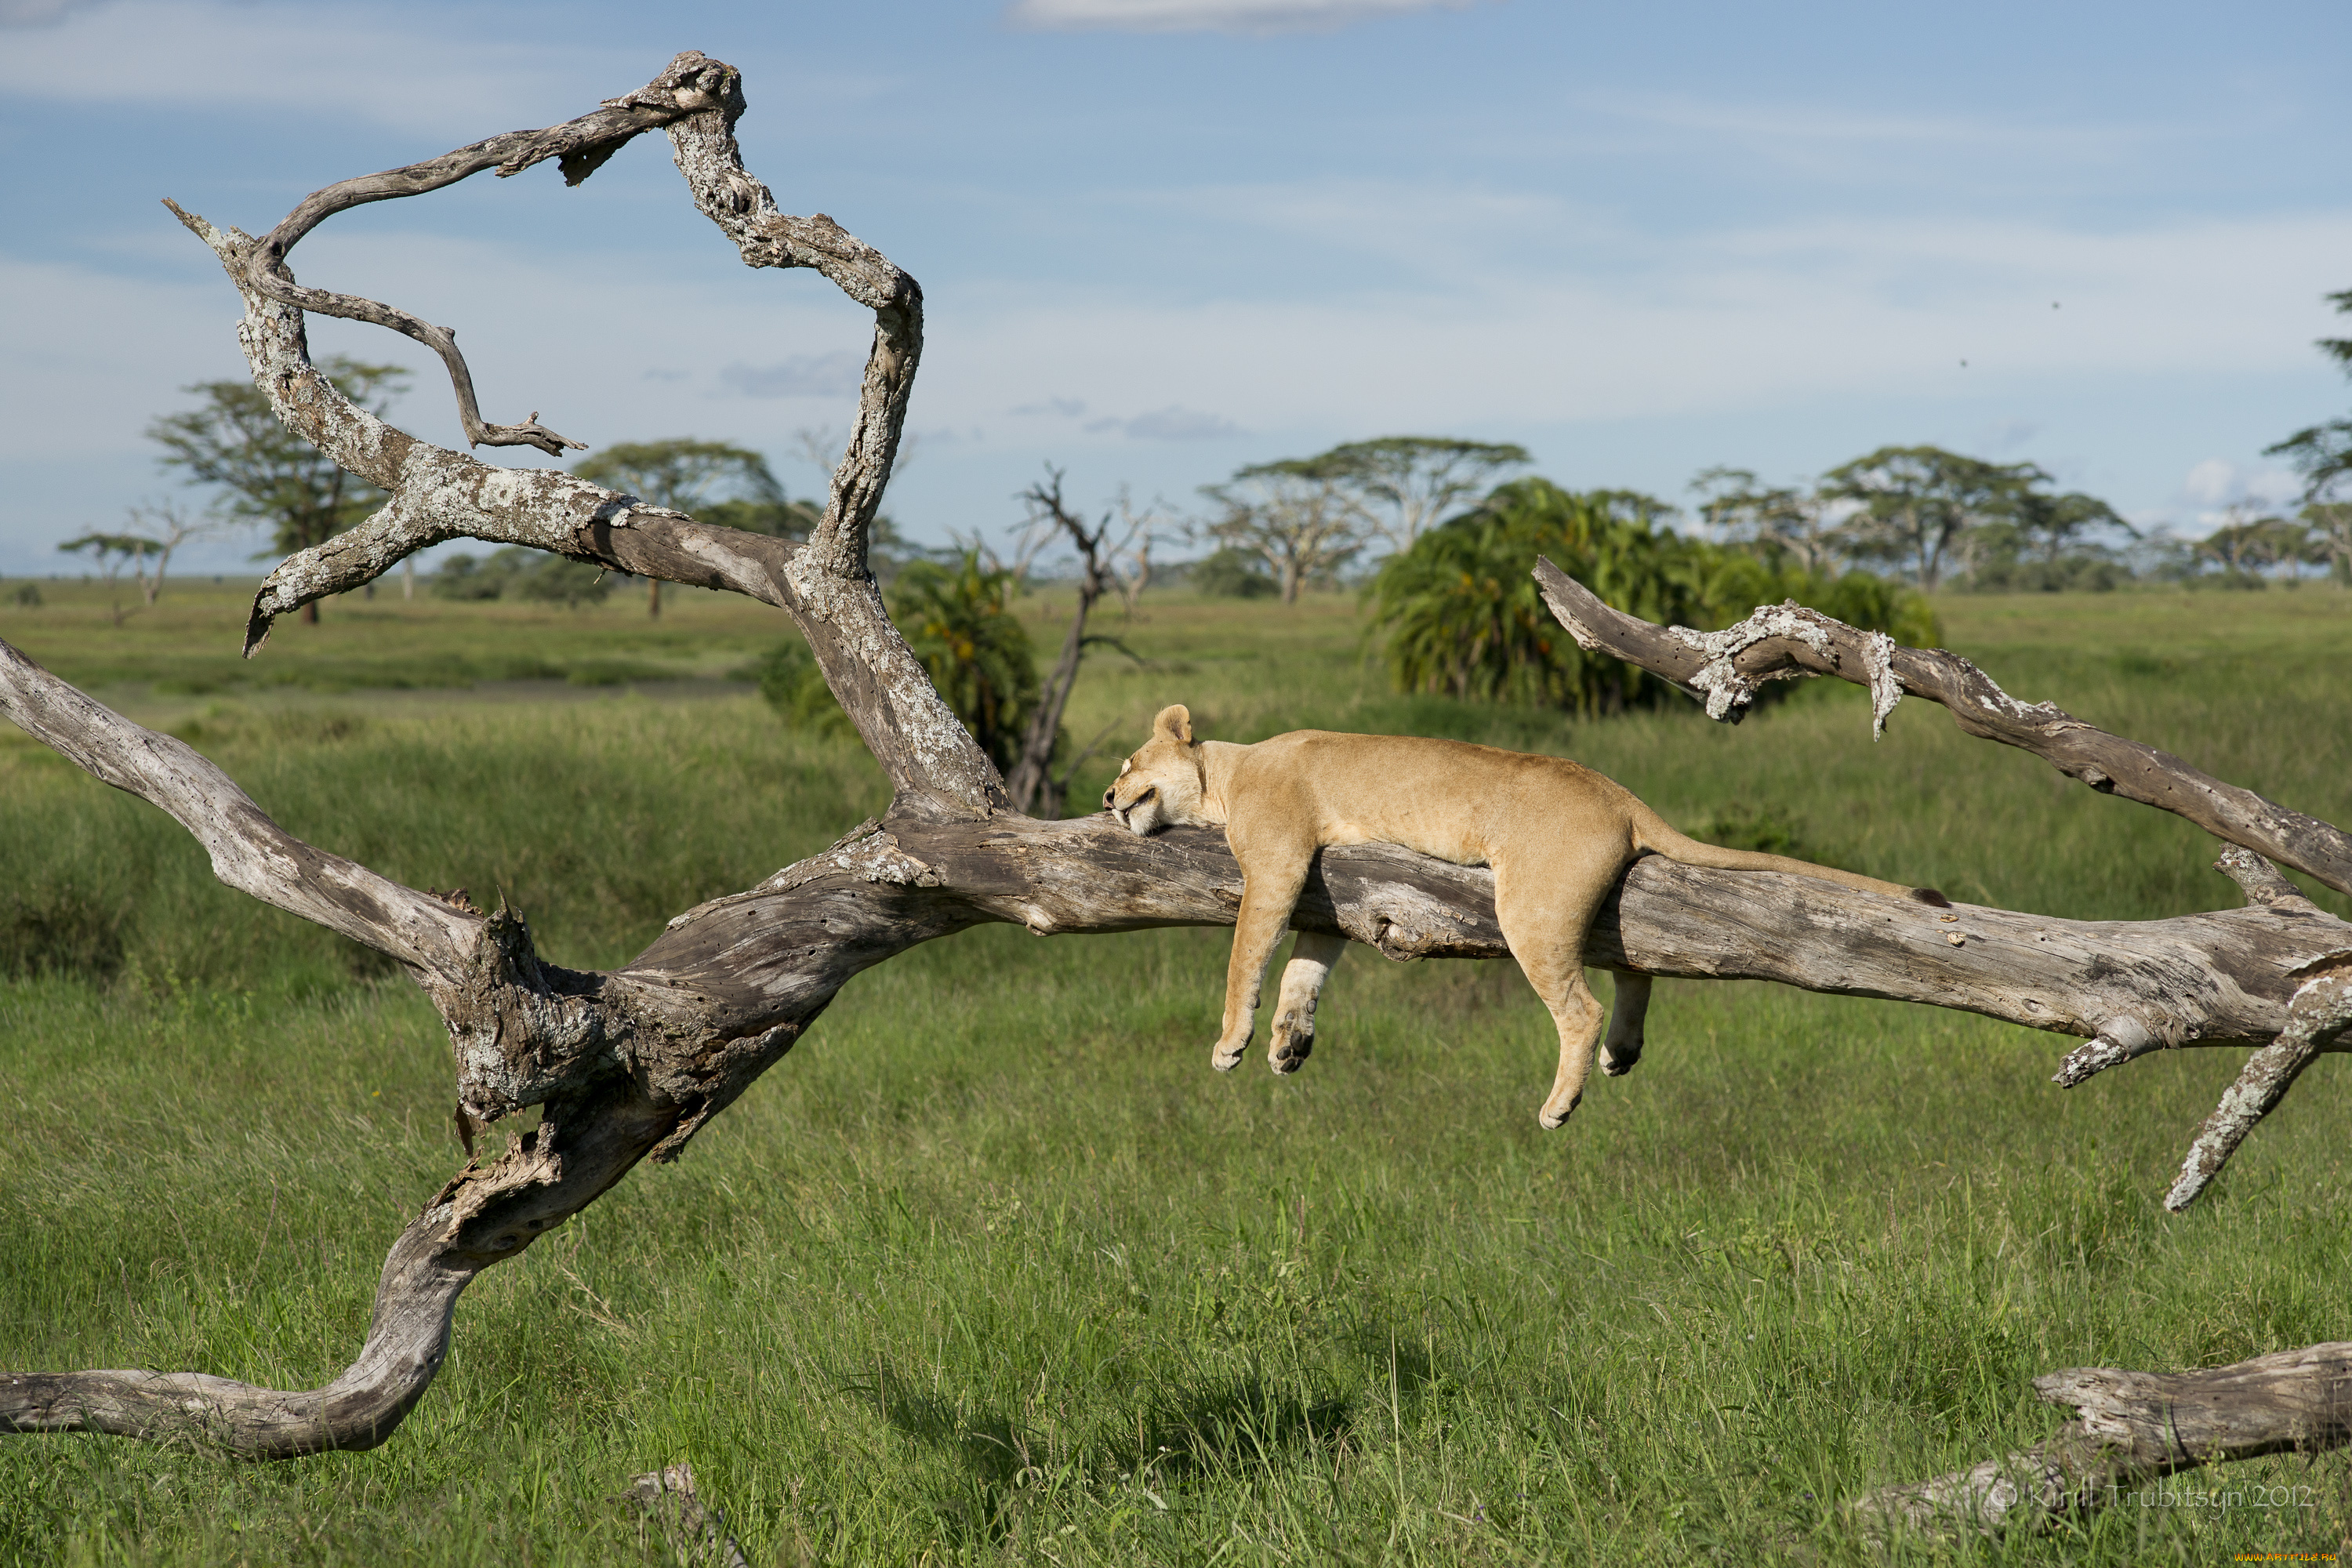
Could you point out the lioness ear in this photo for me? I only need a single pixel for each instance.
(1175, 721)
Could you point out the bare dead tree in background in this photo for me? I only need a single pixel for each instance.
(1035, 787)
(628, 1064)
(1130, 562)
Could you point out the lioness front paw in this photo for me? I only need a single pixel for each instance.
(1226, 1056)
(1292, 1043)
(1557, 1110)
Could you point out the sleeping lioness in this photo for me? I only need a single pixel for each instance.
(1558, 837)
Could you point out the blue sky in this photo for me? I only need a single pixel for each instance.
(1162, 238)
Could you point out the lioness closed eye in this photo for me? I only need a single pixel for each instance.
(1558, 836)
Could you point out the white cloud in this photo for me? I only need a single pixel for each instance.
(1060, 407)
(1554, 328)
(833, 374)
(352, 62)
(1750, 120)
(1210, 15)
(1169, 424)
(2218, 482)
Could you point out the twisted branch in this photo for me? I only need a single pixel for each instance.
(689, 85)
(1724, 670)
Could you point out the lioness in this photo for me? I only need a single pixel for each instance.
(1558, 836)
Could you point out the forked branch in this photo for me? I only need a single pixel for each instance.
(1724, 670)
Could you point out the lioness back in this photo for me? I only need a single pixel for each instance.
(1458, 802)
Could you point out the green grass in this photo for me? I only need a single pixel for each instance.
(993, 1267)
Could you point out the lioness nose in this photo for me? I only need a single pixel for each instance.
(1106, 799)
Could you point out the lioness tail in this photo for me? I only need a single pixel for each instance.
(1652, 833)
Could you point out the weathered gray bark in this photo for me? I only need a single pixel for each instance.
(627, 1065)
(2134, 1426)
(1724, 670)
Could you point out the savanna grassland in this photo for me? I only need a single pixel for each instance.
(994, 1268)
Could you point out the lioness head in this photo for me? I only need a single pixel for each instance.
(1161, 783)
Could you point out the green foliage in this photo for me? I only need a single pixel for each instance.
(1227, 572)
(959, 621)
(62, 925)
(1460, 614)
(1916, 504)
(2322, 452)
(777, 519)
(517, 573)
(1400, 485)
(267, 474)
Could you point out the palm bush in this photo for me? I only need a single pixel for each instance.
(1459, 613)
(958, 617)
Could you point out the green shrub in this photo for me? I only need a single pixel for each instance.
(958, 620)
(1231, 573)
(1459, 612)
(794, 687)
(61, 927)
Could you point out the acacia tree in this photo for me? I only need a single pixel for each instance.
(1911, 504)
(2322, 452)
(166, 528)
(112, 551)
(1778, 521)
(1403, 484)
(1297, 515)
(269, 474)
(627, 1065)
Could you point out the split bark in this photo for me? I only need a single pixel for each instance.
(2132, 1428)
(629, 1064)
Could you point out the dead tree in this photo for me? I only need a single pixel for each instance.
(627, 1065)
(1033, 784)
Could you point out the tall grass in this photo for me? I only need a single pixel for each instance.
(993, 1268)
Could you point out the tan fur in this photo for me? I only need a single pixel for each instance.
(1556, 835)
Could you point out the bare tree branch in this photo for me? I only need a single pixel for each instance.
(2133, 1425)
(1724, 669)
(1032, 785)
(249, 852)
(437, 494)
(689, 85)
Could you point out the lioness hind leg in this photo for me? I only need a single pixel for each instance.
(1545, 925)
(1622, 1048)
(1311, 958)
